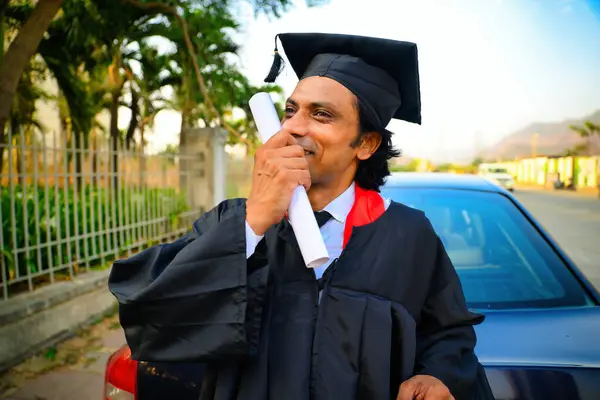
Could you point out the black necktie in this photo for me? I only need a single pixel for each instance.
(322, 217)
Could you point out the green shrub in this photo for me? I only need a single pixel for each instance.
(92, 211)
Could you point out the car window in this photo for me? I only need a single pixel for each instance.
(501, 259)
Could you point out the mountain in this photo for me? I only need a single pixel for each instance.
(553, 138)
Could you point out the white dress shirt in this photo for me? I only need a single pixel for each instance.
(332, 231)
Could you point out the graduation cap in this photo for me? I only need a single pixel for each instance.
(382, 73)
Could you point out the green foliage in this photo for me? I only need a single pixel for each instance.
(50, 354)
(477, 161)
(89, 38)
(588, 129)
(61, 215)
(410, 167)
(170, 150)
(445, 167)
(23, 108)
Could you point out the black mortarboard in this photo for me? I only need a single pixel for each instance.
(382, 73)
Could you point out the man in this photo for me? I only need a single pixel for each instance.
(386, 319)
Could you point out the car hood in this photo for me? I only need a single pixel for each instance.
(559, 337)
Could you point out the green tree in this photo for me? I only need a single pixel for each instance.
(588, 132)
(269, 7)
(19, 53)
(215, 54)
(84, 77)
(22, 116)
(445, 167)
(588, 129)
(409, 167)
(477, 162)
(110, 25)
(154, 73)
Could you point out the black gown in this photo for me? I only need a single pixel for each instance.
(392, 307)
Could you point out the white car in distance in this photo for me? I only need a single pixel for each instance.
(498, 175)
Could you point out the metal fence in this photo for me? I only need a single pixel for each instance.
(67, 208)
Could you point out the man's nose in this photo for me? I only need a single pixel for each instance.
(297, 125)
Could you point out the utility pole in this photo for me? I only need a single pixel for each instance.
(534, 143)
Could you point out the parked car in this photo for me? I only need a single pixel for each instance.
(540, 339)
(498, 175)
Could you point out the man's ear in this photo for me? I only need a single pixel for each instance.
(369, 143)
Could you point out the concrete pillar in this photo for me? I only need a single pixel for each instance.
(202, 166)
(219, 165)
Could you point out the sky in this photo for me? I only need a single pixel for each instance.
(487, 68)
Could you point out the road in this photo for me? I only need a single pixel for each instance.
(574, 221)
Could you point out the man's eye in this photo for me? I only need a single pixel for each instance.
(322, 114)
(289, 110)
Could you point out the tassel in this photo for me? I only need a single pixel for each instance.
(276, 67)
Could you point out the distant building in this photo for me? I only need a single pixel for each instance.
(584, 171)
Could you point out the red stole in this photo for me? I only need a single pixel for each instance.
(368, 206)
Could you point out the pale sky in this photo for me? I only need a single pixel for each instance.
(487, 66)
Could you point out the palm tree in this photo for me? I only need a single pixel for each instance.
(92, 81)
(216, 53)
(79, 76)
(590, 132)
(220, 9)
(155, 73)
(118, 17)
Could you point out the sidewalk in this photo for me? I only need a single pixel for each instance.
(74, 370)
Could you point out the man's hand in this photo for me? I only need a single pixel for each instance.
(279, 167)
(424, 387)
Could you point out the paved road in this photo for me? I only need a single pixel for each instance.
(574, 221)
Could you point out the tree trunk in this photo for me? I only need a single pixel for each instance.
(20, 52)
(2, 138)
(142, 176)
(95, 182)
(14, 127)
(78, 154)
(183, 152)
(114, 136)
(3, 7)
(133, 122)
(182, 138)
(2, 129)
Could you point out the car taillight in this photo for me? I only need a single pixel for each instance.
(120, 376)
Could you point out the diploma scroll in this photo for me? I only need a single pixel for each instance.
(301, 216)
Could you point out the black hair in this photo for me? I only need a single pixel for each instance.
(371, 172)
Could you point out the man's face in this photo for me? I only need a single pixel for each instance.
(323, 116)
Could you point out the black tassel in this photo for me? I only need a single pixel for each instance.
(276, 67)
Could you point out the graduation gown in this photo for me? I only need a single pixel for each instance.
(391, 306)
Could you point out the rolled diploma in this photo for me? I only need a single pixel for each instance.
(301, 216)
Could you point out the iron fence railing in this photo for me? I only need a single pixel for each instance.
(68, 207)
